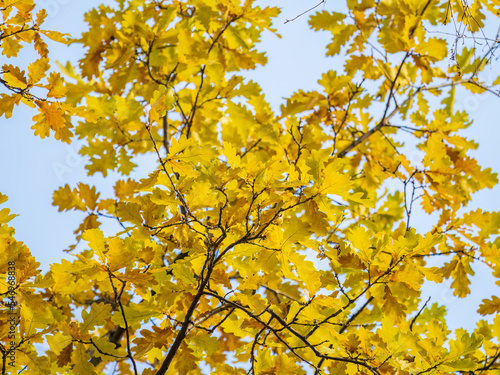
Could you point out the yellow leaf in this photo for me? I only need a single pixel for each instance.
(184, 48)
(7, 103)
(358, 198)
(489, 306)
(307, 273)
(361, 240)
(51, 116)
(14, 76)
(99, 313)
(40, 46)
(56, 36)
(40, 17)
(206, 343)
(135, 314)
(5, 216)
(161, 102)
(67, 199)
(35, 364)
(118, 255)
(96, 241)
(125, 189)
(37, 70)
(10, 47)
(56, 86)
(435, 48)
(41, 128)
(461, 282)
(333, 181)
(89, 195)
(81, 360)
(393, 307)
(233, 159)
(295, 231)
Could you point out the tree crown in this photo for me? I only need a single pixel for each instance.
(262, 241)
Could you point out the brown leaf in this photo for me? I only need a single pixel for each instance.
(64, 357)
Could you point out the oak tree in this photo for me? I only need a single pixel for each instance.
(262, 241)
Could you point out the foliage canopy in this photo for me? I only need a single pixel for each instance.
(263, 241)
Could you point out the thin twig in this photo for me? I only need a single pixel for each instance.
(307, 11)
(418, 314)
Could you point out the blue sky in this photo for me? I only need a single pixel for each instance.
(32, 168)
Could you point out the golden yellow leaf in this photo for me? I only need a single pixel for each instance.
(10, 47)
(7, 103)
(96, 241)
(55, 86)
(37, 70)
(489, 306)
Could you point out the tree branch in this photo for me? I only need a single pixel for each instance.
(379, 126)
(208, 267)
